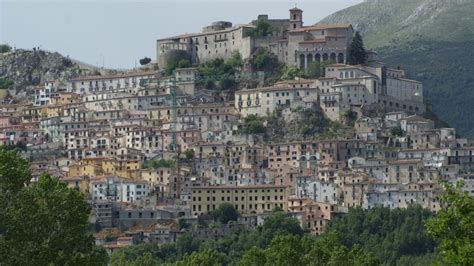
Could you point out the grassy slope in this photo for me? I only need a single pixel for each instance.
(433, 40)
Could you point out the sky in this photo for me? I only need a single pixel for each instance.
(117, 33)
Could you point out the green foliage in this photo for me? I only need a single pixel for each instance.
(432, 63)
(262, 29)
(19, 146)
(252, 125)
(183, 224)
(314, 121)
(15, 172)
(235, 61)
(189, 154)
(307, 250)
(350, 117)
(428, 259)
(225, 213)
(145, 60)
(253, 256)
(159, 163)
(177, 60)
(5, 83)
(335, 130)
(290, 73)
(279, 224)
(5, 48)
(430, 48)
(397, 132)
(231, 247)
(205, 257)
(314, 70)
(388, 234)
(220, 72)
(357, 55)
(261, 60)
(47, 224)
(453, 226)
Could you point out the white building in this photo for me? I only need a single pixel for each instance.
(126, 82)
(114, 188)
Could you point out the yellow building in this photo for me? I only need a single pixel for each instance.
(246, 199)
(85, 169)
(80, 183)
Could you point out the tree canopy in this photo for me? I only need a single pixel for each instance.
(5, 48)
(454, 225)
(252, 125)
(178, 59)
(262, 29)
(145, 60)
(5, 83)
(389, 234)
(290, 73)
(357, 54)
(220, 74)
(43, 223)
(225, 213)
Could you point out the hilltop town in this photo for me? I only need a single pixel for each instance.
(269, 115)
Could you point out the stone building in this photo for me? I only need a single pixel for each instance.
(293, 43)
(246, 199)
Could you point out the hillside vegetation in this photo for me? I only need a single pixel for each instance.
(22, 68)
(432, 40)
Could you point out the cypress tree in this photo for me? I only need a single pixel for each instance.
(357, 51)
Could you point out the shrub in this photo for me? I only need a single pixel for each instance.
(145, 60)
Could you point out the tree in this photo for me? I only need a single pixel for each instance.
(235, 61)
(177, 59)
(205, 257)
(253, 256)
(453, 225)
(357, 54)
(252, 125)
(5, 48)
(314, 70)
(397, 131)
(262, 29)
(225, 213)
(261, 59)
(290, 73)
(189, 154)
(145, 60)
(47, 223)
(388, 234)
(15, 172)
(350, 117)
(5, 83)
(286, 250)
(279, 223)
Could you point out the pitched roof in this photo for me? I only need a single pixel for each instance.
(322, 27)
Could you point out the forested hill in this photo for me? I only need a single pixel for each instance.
(433, 40)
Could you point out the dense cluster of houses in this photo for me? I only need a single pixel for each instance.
(109, 137)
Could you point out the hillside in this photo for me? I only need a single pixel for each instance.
(24, 68)
(432, 40)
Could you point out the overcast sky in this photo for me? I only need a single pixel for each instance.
(121, 32)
